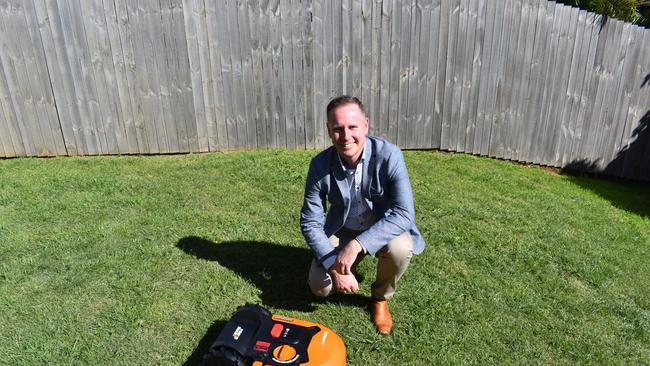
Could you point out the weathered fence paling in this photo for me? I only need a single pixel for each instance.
(526, 80)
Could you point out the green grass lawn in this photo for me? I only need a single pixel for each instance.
(142, 260)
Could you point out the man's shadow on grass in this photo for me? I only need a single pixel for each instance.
(279, 271)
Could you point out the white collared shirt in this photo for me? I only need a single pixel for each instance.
(360, 216)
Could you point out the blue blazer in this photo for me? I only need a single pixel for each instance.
(385, 187)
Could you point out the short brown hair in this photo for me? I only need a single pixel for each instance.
(341, 101)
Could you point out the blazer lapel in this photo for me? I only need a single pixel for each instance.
(368, 167)
(341, 181)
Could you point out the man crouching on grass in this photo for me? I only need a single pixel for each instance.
(364, 178)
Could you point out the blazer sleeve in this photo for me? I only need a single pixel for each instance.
(312, 215)
(400, 196)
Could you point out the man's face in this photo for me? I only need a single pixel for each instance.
(347, 128)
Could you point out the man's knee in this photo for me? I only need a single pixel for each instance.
(400, 248)
(320, 282)
(321, 291)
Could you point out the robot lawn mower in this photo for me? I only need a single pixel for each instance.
(254, 336)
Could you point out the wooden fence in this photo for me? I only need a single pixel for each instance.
(526, 80)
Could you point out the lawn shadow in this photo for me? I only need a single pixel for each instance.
(279, 271)
(631, 162)
(633, 197)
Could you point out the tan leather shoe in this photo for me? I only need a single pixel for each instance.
(381, 317)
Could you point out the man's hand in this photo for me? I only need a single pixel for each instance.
(346, 284)
(346, 257)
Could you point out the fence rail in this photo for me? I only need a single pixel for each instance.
(526, 80)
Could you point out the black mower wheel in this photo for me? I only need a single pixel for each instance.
(223, 356)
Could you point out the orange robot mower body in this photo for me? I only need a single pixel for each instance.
(254, 336)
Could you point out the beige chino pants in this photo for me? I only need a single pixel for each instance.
(393, 259)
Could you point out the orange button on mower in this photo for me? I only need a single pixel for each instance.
(277, 330)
